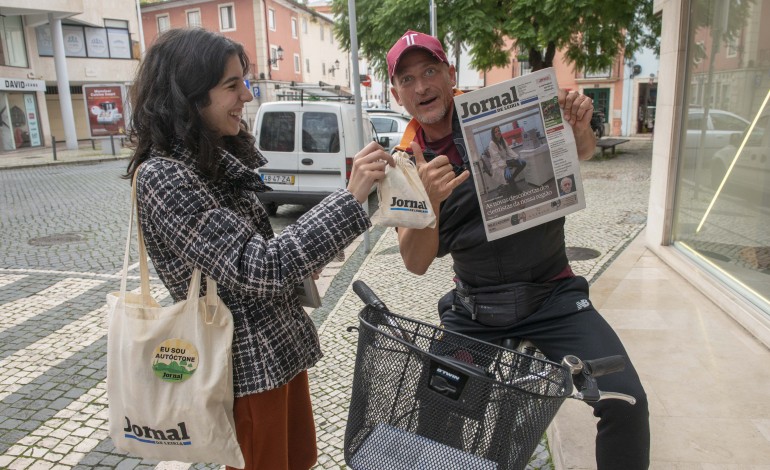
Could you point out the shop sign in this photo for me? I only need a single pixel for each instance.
(21, 84)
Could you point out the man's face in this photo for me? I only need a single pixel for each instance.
(423, 85)
(566, 185)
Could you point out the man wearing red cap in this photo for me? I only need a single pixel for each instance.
(552, 308)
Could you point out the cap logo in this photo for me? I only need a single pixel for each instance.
(409, 37)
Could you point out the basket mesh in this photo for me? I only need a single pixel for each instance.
(425, 398)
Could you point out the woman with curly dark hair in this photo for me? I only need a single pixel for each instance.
(198, 196)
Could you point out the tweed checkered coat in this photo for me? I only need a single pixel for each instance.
(189, 220)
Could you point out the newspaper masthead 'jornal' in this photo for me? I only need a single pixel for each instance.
(488, 104)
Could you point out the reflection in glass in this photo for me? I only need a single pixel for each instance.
(722, 206)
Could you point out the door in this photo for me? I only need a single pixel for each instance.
(320, 159)
(277, 140)
(601, 98)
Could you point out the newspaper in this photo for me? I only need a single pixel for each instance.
(537, 179)
(308, 293)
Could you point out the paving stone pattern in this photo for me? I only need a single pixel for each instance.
(63, 229)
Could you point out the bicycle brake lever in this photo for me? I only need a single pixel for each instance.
(592, 398)
(617, 396)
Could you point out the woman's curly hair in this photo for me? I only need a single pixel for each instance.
(171, 87)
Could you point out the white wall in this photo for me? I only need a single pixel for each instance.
(650, 64)
(80, 70)
(320, 52)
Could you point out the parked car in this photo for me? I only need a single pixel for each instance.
(389, 124)
(714, 129)
(309, 147)
(751, 168)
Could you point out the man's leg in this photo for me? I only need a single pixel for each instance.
(567, 324)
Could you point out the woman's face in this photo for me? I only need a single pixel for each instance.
(496, 133)
(223, 114)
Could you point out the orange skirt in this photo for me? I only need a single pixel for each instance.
(275, 428)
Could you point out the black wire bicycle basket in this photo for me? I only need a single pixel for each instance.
(425, 398)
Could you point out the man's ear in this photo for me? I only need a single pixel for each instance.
(395, 95)
(453, 75)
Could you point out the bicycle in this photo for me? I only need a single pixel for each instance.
(426, 398)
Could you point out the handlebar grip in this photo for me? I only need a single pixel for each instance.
(605, 365)
(367, 295)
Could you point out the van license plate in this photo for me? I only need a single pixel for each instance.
(278, 179)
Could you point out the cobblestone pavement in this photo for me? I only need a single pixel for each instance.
(63, 230)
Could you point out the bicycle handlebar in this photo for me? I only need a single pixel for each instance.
(584, 374)
(605, 365)
(367, 295)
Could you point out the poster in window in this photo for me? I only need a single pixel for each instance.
(32, 124)
(96, 42)
(44, 43)
(105, 109)
(74, 41)
(120, 43)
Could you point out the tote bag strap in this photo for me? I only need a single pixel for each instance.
(144, 272)
(212, 299)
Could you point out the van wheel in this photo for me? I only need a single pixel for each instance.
(271, 208)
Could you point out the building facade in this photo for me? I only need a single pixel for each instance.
(292, 47)
(624, 93)
(709, 213)
(50, 45)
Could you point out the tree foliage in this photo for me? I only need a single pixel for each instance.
(591, 32)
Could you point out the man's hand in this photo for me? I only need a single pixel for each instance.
(437, 176)
(578, 110)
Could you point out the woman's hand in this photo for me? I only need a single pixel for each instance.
(368, 168)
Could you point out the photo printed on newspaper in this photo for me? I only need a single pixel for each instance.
(522, 153)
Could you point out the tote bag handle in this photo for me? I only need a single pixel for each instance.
(212, 300)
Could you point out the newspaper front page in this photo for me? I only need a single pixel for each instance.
(522, 152)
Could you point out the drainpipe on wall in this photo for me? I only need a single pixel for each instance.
(141, 30)
(267, 42)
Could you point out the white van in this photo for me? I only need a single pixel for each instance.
(309, 147)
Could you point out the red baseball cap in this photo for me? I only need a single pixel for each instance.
(412, 40)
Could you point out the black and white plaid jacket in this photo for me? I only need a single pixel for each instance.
(188, 220)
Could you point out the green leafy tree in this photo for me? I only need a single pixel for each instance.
(591, 32)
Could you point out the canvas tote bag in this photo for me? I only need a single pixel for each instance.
(169, 371)
(403, 201)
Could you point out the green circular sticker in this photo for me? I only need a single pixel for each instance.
(174, 360)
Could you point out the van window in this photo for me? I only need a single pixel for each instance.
(277, 132)
(320, 133)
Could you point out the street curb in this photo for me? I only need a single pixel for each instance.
(64, 162)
